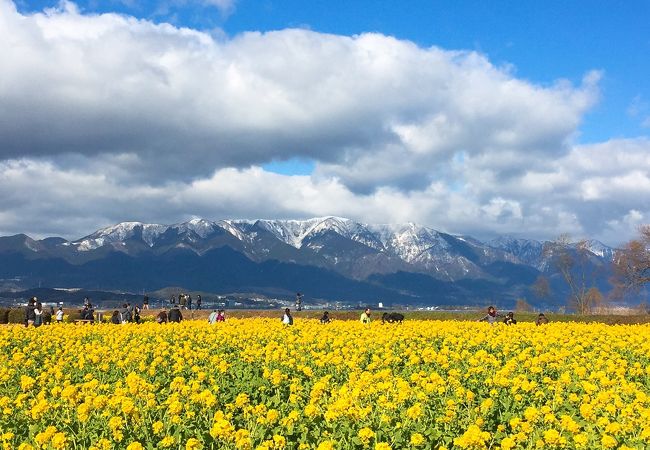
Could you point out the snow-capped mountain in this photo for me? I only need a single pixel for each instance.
(600, 249)
(120, 233)
(394, 256)
(526, 251)
(335, 242)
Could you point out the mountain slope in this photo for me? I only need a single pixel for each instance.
(402, 261)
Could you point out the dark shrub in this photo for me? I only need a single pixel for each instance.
(16, 315)
(73, 314)
(4, 315)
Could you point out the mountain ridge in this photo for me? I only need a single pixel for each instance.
(379, 256)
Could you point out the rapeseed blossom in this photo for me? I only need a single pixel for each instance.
(252, 383)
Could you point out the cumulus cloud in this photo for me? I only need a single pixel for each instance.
(183, 103)
(105, 118)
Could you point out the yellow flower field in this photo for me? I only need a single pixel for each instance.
(256, 384)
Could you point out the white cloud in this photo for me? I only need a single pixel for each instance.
(185, 103)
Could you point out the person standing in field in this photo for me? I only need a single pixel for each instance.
(491, 316)
(125, 314)
(145, 302)
(365, 316)
(221, 316)
(116, 318)
(541, 319)
(84, 313)
(189, 302)
(198, 301)
(90, 313)
(136, 314)
(59, 315)
(38, 315)
(29, 312)
(48, 316)
(212, 318)
(287, 318)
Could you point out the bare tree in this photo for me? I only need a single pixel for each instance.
(541, 287)
(521, 305)
(632, 263)
(596, 301)
(573, 261)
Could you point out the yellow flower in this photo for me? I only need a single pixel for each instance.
(167, 442)
(272, 416)
(242, 439)
(613, 428)
(569, 424)
(26, 382)
(44, 437)
(83, 411)
(222, 429)
(366, 434)
(157, 427)
(607, 441)
(175, 408)
(531, 413)
(241, 400)
(416, 440)
(552, 437)
(115, 423)
(382, 446)
(487, 404)
(135, 446)
(104, 444)
(59, 441)
(414, 411)
(193, 444)
(507, 443)
(581, 440)
(7, 436)
(311, 410)
(473, 437)
(128, 407)
(279, 442)
(313, 383)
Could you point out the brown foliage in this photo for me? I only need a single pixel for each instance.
(541, 287)
(521, 305)
(573, 263)
(632, 263)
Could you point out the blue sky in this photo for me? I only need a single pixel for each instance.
(484, 118)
